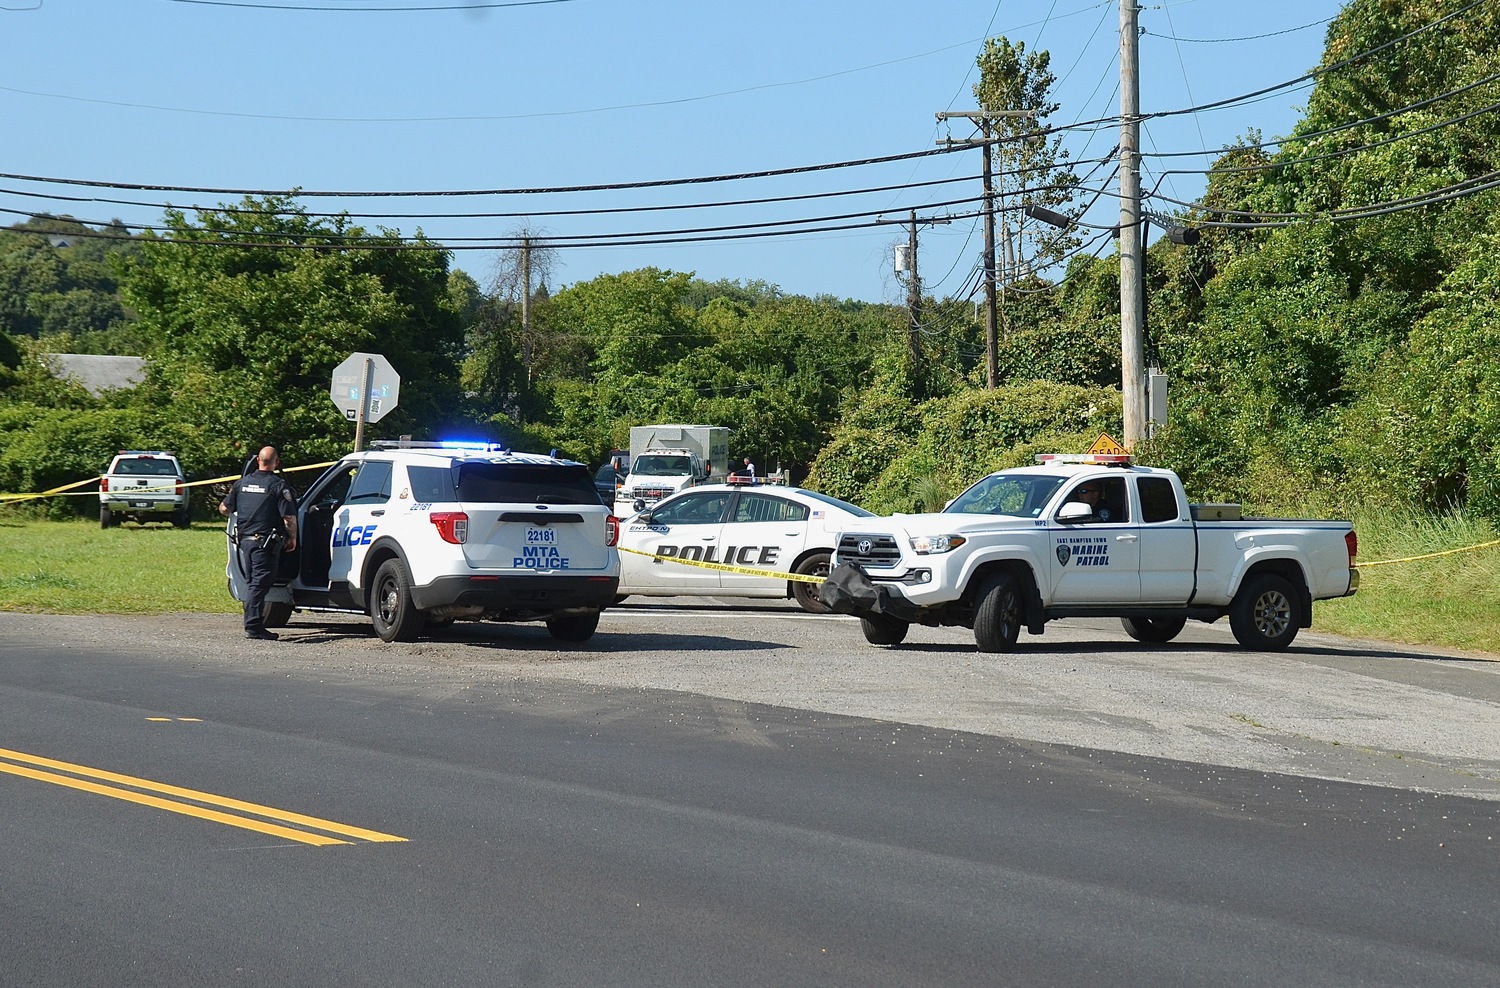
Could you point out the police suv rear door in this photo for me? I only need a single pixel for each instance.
(533, 515)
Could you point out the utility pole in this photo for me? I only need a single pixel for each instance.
(983, 120)
(1132, 245)
(526, 306)
(914, 281)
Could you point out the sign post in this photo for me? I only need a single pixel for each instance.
(365, 386)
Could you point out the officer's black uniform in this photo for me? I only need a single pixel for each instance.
(259, 501)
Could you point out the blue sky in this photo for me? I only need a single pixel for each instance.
(263, 95)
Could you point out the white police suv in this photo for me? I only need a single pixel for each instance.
(743, 526)
(419, 535)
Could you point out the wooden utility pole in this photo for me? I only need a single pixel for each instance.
(914, 297)
(983, 120)
(526, 306)
(1132, 247)
(914, 286)
(991, 309)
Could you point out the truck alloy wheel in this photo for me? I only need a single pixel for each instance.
(1266, 613)
(997, 619)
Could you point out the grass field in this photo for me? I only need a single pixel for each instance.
(77, 567)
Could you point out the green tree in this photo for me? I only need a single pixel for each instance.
(249, 309)
(1029, 167)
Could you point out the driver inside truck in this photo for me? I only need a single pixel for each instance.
(1105, 498)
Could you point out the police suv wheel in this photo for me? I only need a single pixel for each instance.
(1266, 613)
(275, 613)
(573, 627)
(104, 519)
(806, 594)
(395, 617)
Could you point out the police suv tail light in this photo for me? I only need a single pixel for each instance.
(611, 530)
(928, 545)
(453, 526)
(104, 485)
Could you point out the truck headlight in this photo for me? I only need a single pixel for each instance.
(927, 545)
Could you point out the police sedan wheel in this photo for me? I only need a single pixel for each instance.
(395, 617)
(806, 594)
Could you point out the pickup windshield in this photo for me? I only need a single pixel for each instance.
(1023, 495)
(656, 465)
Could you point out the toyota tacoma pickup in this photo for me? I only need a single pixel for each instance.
(1087, 536)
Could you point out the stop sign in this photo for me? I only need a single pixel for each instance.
(348, 393)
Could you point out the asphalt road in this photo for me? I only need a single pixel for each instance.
(720, 796)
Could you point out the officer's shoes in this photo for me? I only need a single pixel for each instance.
(262, 635)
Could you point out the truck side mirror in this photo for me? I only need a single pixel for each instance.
(1074, 511)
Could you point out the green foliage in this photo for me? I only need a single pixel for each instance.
(45, 448)
(952, 441)
(1028, 170)
(245, 338)
(57, 279)
(852, 461)
(1435, 417)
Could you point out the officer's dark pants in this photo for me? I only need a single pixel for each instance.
(258, 558)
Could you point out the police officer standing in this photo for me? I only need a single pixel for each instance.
(265, 515)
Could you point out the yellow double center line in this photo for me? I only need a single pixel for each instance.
(140, 790)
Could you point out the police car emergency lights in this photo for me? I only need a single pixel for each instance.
(1089, 459)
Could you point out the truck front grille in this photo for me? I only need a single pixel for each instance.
(868, 550)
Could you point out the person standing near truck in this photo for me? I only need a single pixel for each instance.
(265, 516)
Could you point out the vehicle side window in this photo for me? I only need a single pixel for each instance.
(429, 484)
(335, 491)
(693, 509)
(760, 507)
(372, 485)
(1158, 499)
(1106, 496)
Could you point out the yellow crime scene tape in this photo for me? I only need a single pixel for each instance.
(726, 568)
(66, 490)
(1429, 555)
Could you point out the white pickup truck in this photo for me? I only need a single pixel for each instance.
(1087, 536)
(144, 485)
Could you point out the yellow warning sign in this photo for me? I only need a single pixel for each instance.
(1107, 446)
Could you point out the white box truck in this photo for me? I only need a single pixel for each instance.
(665, 459)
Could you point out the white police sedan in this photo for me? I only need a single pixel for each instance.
(741, 527)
